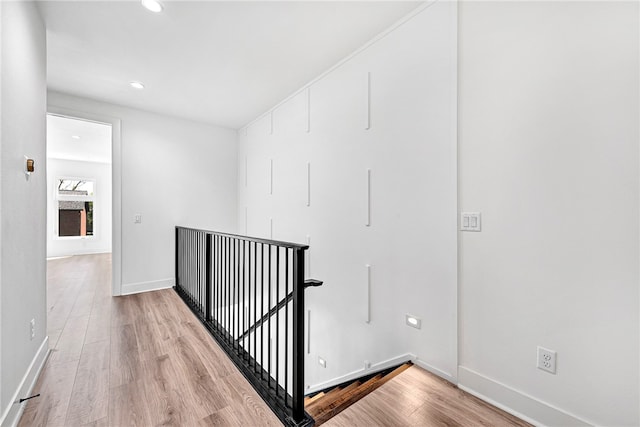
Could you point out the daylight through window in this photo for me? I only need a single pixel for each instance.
(75, 207)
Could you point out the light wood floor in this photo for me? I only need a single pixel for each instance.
(418, 398)
(138, 360)
(145, 360)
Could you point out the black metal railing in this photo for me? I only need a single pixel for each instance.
(249, 294)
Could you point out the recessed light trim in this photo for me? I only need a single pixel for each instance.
(152, 5)
(75, 136)
(136, 85)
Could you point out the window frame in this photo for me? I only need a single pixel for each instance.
(57, 197)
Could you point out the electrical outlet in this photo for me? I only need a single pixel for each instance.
(32, 326)
(322, 362)
(367, 365)
(547, 360)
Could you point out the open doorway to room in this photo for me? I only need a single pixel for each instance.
(79, 184)
(80, 225)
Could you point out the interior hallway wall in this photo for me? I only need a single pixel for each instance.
(548, 152)
(174, 172)
(23, 106)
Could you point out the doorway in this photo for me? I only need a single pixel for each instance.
(84, 187)
(79, 187)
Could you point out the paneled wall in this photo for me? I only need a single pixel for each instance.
(361, 163)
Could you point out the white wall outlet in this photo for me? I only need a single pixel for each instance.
(470, 221)
(322, 362)
(137, 219)
(547, 360)
(32, 326)
(367, 365)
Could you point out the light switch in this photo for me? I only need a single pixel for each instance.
(137, 218)
(470, 221)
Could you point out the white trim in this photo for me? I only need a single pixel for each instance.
(154, 285)
(455, 186)
(12, 414)
(399, 360)
(116, 186)
(442, 374)
(66, 159)
(80, 252)
(516, 402)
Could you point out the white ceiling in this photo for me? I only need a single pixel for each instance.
(220, 62)
(94, 144)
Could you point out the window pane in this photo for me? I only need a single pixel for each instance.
(75, 187)
(75, 218)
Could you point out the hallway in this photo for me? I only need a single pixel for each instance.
(132, 360)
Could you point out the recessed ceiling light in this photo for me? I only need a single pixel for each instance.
(152, 5)
(136, 85)
(75, 136)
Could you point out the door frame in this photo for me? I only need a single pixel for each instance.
(116, 185)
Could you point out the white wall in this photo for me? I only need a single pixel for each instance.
(22, 223)
(174, 172)
(548, 152)
(410, 150)
(101, 240)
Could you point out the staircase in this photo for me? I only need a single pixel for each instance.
(324, 405)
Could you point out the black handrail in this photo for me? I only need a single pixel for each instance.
(284, 301)
(233, 285)
(279, 243)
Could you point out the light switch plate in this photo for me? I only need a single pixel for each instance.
(470, 221)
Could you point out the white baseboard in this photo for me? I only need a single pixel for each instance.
(154, 285)
(442, 374)
(11, 415)
(361, 372)
(515, 402)
(79, 253)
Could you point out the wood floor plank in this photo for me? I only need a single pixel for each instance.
(223, 418)
(167, 405)
(99, 326)
(55, 386)
(69, 345)
(102, 422)
(125, 366)
(197, 386)
(90, 397)
(217, 363)
(245, 402)
(418, 398)
(96, 355)
(127, 406)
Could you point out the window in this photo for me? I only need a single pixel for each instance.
(75, 207)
